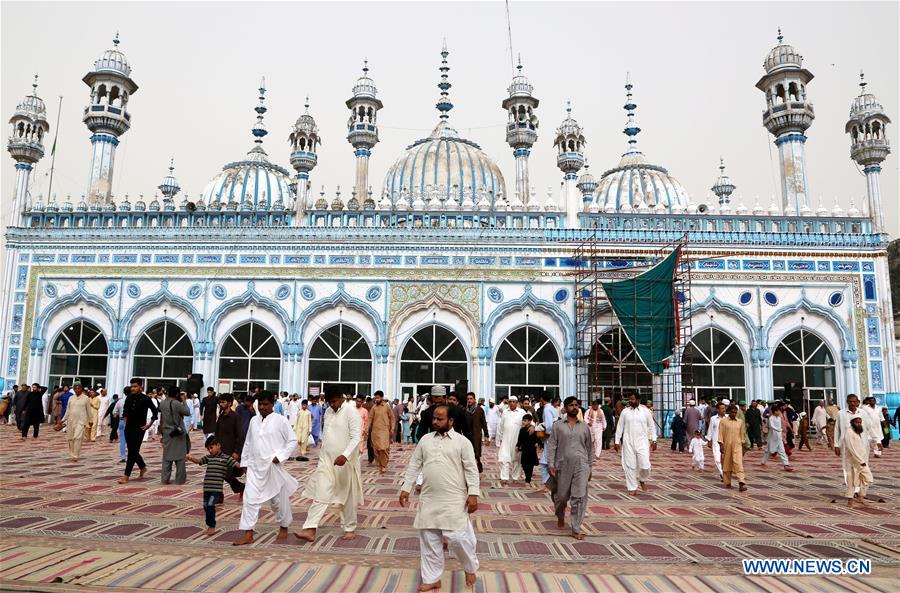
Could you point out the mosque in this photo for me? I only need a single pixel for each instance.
(436, 271)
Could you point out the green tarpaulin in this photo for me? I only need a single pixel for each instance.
(645, 308)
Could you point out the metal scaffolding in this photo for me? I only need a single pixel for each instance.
(608, 368)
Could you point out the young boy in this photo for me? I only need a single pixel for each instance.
(696, 451)
(218, 467)
(527, 444)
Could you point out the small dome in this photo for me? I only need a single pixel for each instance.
(154, 205)
(38, 205)
(365, 86)
(140, 206)
(32, 106)
(852, 210)
(125, 205)
(169, 186)
(443, 163)
(782, 56)
(52, 206)
(758, 210)
(113, 60)
(67, 205)
(586, 183)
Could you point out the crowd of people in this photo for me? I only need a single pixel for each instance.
(250, 439)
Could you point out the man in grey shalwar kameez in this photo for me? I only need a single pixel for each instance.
(569, 463)
(175, 442)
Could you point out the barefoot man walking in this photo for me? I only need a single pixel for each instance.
(635, 435)
(450, 491)
(269, 442)
(338, 478)
(569, 463)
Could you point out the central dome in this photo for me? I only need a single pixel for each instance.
(445, 167)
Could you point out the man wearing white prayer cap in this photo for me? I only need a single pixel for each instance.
(507, 436)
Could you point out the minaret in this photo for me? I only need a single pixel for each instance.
(107, 117)
(362, 127)
(169, 186)
(521, 130)
(305, 142)
(869, 146)
(570, 143)
(723, 187)
(26, 146)
(787, 115)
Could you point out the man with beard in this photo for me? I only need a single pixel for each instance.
(842, 427)
(855, 443)
(77, 420)
(231, 439)
(569, 463)
(507, 436)
(33, 412)
(209, 405)
(635, 437)
(712, 435)
(478, 426)
(449, 495)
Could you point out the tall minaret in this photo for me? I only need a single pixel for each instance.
(723, 187)
(521, 130)
(570, 144)
(26, 146)
(869, 146)
(305, 142)
(787, 115)
(107, 117)
(362, 127)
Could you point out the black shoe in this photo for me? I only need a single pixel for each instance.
(301, 458)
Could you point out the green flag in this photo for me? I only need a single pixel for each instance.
(646, 310)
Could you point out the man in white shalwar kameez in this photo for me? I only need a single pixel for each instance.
(338, 477)
(855, 444)
(269, 442)
(450, 492)
(712, 435)
(635, 436)
(842, 427)
(507, 436)
(819, 420)
(493, 418)
(596, 421)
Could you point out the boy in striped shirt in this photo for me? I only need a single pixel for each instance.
(218, 466)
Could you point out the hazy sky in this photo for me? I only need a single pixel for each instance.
(694, 67)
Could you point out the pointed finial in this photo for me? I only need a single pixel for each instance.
(780, 36)
(568, 108)
(259, 130)
(262, 85)
(365, 66)
(519, 66)
(306, 105)
(171, 165)
(116, 39)
(862, 81)
(722, 165)
(444, 105)
(631, 128)
(34, 84)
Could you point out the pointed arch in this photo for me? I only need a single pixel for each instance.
(249, 297)
(804, 304)
(80, 295)
(530, 300)
(339, 298)
(163, 295)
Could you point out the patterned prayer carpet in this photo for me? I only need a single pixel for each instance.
(71, 527)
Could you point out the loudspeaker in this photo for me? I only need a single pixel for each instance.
(461, 388)
(194, 384)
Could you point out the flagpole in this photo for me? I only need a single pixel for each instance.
(53, 150)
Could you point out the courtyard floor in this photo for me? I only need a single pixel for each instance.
(71, 527)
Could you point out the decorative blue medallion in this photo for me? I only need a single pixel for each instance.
(110, 290)
(836, 299)
(218, 291)
(194, 291)
(495, 294)
(561, 295)
(283, 292)
(746, 298)
(771, 298)
(307, 292)
(374, 293)
(134, 291)
(50, 290)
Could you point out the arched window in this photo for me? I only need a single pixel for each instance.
(432, 356)
(79, 352)
(163, 355)
(250, 357)
(340, 358)
(527, 364)
(803, 358)
(615, 368)
(717, 365)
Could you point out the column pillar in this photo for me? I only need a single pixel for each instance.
(574, 202)
(873, 190)
(102, 161)
(792, 158)
(20, 197)
(362, 169)
(522, 182)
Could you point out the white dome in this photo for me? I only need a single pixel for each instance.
(444, 160)
(113, 60)
(636, 181)
(253, 179)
